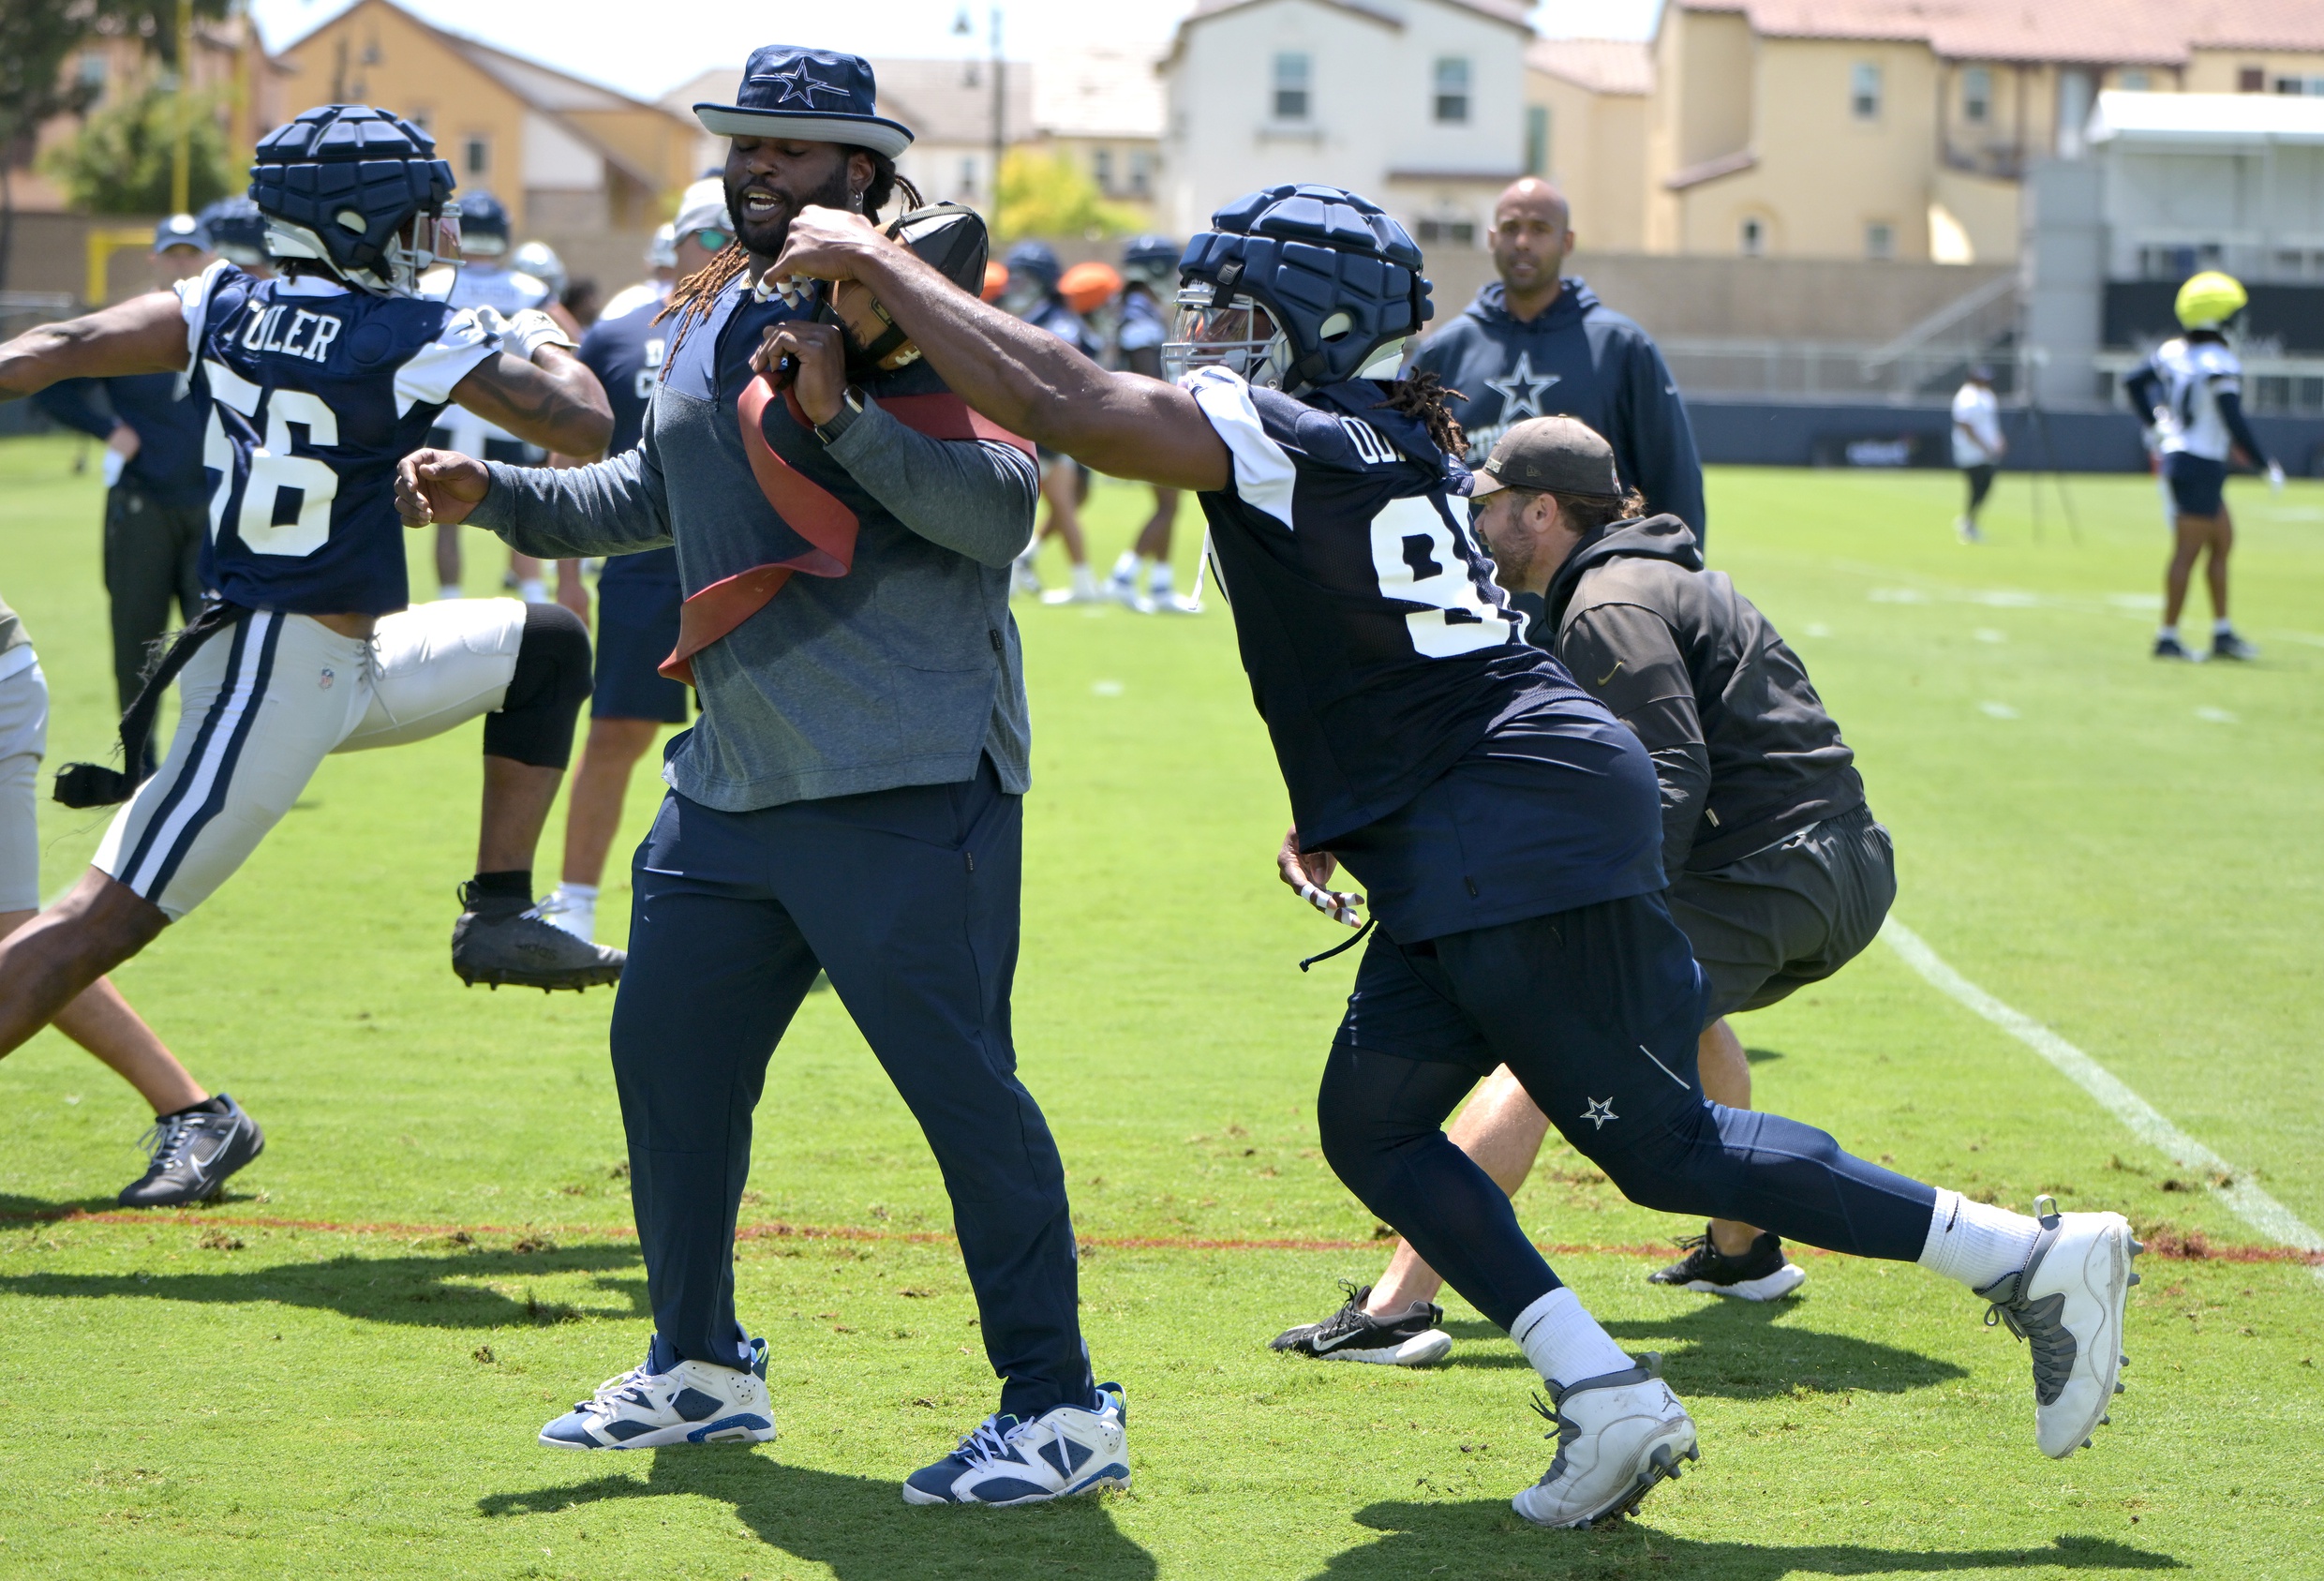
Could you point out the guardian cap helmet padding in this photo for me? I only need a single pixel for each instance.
(358, 190)
(484, 225)
(238, 230)
(1151, 262)
(1329, 278)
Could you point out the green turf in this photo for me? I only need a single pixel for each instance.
(340, 1371)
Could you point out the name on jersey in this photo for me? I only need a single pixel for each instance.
(295, 332)
(1375, 451)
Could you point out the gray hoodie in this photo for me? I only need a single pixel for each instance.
(1742, 746)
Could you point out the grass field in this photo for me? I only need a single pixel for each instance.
(339, 1370)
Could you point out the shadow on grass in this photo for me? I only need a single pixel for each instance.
(1739, 1350)
(37, 1213)
(859, 1526)
(1760, 1056)
(1423, 1536)
(451, 1291)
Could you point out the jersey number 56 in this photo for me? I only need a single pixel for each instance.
(285, 500)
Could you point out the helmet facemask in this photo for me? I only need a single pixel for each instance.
(429, 237)
(1240, 335)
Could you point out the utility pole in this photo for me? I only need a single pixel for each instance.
(182, 157)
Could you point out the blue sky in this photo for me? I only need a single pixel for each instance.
(645, 49)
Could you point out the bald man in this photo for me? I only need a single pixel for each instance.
(1535, 344)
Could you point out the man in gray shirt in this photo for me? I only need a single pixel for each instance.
(850, 799)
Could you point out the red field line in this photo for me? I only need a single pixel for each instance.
(2174, 1246)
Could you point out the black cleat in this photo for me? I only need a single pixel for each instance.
(193, 1153)
(2172, 648)
(2226, 645)
(1410, 1339)
(503, 939)
(1761, 1273)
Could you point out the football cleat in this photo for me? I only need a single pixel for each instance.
(1761, 1274)
(1410, 1339)
(693, 1403)
(2066, 1303)
(191, 1157)
(2226, 645)
(1057, 1455)
(504, 939)
(2172, 648)
(1617, 1436)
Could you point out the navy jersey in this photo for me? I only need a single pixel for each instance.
(1378, 648)
(626, 355)
(314, 394)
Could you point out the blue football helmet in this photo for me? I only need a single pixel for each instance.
(484, 225)
(1033, 275)
(359, 190)
(1297, 287)
(238, 230)
(1151, 262)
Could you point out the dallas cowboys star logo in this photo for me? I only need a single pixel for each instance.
(796, 84)
(1600, 1112)
(1521, 395)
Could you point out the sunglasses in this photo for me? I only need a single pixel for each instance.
(712, 239)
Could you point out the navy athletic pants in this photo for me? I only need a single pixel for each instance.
(1596, 1011)
(908, 898)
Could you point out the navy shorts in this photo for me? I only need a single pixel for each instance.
(2198, 484)
(636, 629)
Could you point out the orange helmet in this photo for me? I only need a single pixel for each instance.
(1087, 286)
(996, 281)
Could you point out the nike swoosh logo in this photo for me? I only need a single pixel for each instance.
(1334, 1342)
(1609, 675)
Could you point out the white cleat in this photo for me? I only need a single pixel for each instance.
(2066, 1303)
(1617, 1436)
(693, 1403)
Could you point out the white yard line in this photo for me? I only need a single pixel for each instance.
(2244, 1195)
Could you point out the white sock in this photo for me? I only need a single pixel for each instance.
(573, 908)
(449, 590)
(1084, 581)
(1161, 583)
(1127, 567)
(2166, 633)
(533, 590)
(1564, 1342)
(1974, 1243)
(2223, 627)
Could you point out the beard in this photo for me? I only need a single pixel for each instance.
(766, 237)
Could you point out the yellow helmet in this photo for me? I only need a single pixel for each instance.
(2210, 299)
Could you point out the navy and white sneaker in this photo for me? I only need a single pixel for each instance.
(2066, 1302)
(192, 1153)
(693, 1403)
(1057, 1455)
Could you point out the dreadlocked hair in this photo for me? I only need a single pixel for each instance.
(1424, 395)
(692, 297)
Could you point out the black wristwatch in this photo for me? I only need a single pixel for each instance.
(851, 407)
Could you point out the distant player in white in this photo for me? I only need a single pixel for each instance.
(482, 279)
(1977, 445)
(2191, 393)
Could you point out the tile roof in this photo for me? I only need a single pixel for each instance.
(1604, 66)
(2097, 32)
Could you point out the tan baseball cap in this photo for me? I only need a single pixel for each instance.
(1561, 456)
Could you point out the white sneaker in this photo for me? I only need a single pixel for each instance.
(1124, 591)
(2066, 1303)
(1968, 530)
(1617, 1436)
(572, 915)
(1023, 581)
(693, 1403)
(1057, 1455)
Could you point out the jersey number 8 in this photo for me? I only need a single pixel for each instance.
(285, 500)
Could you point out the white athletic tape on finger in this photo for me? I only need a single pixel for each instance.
(2248, 1200)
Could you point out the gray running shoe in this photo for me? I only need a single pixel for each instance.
(192, 1155)
(1617, 1436)
(2066, 1303)
(504, 939)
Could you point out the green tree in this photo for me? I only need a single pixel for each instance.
(121, 161)
(37, 38)
(1046, 195)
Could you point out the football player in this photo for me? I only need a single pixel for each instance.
(238, 233)
(480, 277)
(316, 384)
(1031, 293)
(1507, 825)
(1149, 269)
(638, 596)
(661, 271)
(2190, 393)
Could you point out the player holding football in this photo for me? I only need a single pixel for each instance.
(2190, 393)
(317, 382)
(1507, 828)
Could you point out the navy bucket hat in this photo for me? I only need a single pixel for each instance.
(819, 96)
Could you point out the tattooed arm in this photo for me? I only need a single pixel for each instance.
(553, 401)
